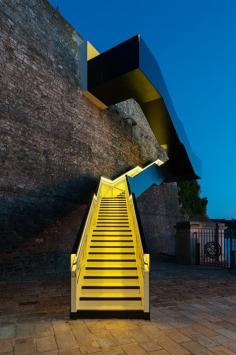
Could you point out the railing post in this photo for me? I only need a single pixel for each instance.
(146, 283)
(73, 285)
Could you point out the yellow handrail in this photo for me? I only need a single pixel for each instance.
(109, 188)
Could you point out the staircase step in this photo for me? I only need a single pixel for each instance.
(113, 205)
(111, 242)
(111, 222)
(115, 236)
(110, 287)
(112, 235)
(113, 219)
(103, 298)
(118, 207)
(109, 293)
(122, 204)
(108, 226)
(103, 238)
(110, 230)
(111, 277)
(111, 305)
(110, 273)
(111, 247)
(104, 268)
(102, 259)
(111, 264)
(110, 282)
(111, 256)
(112, 214)
(113, 198)
(111, 253)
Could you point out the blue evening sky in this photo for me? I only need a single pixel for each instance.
(194, 42)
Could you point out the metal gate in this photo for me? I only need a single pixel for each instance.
(214, 247)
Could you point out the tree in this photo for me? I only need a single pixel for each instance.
(189, 194)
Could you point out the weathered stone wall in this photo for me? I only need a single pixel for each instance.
(160, 211)
(55, 144)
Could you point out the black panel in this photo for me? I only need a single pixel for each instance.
(110, 314)
(115, 62)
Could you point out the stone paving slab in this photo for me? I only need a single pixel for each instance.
(193, 311)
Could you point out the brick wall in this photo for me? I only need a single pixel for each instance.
(55, 144)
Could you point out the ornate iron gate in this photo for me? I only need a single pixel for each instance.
(214, 247)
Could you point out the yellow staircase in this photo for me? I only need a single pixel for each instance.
(109, 269)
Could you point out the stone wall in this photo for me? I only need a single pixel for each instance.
(55, 144)
(160, 211)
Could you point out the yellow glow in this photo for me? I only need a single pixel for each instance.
(94, 100)
(164, 146)
(159, 162)
(113, 206)
(91, 51)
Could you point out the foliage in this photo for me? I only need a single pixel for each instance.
(192, 204)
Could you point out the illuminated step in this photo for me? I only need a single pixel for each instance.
(113, 207)
(109, 233)
(111, 282)
(122, 205)
(117, 200)
(110, 273)
(124, 259)
(110, 265)
(109, 236)
(110, 298)
(113, 219)
(112, 222)
(99, 294)
(112, 235)
(105, 305)
(111, 242)
(114, 198)
(108, 287)
(111, 277)
(110, 230)
(113, 255)
(109, 214)
(111, 226)
(118, 220)
(113, 204)
(111, 247)
(113, 210)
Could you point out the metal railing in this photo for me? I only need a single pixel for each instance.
(143, 260)
(78, 258)
(214, 247)
(109, 188)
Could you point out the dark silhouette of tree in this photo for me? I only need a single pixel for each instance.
(189, 194)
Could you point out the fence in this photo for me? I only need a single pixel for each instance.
(216, 247)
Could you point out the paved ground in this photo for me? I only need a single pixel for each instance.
(193, 311)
